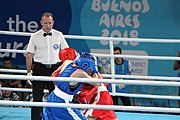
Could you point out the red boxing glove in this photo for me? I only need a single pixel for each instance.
(86, 95)
(105, 84)
(56, 73)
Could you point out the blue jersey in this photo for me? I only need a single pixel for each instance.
(63, 94)
(122, 69)
(64, 86)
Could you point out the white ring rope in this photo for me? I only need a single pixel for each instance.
(15, 33)
(83, 106)
(100, 38)
(168, 97)
(13, 51)
(143, 77)
(90, 80)
(139, 57)
(20, 89)
(112, 76)
(109, 76)
(13, 71)
(117, 94)
(107, 56)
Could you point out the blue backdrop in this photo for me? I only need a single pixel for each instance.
(115, 18)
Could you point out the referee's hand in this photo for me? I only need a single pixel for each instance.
(28, 81)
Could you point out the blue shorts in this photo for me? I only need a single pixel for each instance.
(59, 113)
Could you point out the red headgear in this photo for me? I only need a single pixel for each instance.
(67, 54)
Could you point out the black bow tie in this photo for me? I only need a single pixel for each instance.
(45, 34)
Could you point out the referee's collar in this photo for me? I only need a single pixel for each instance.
(47, 33)
(51, 31)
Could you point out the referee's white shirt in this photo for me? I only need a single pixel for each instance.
(46, 49)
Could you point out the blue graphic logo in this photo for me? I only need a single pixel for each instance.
(56, 46)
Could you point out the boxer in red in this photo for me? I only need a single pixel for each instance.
(97, 95)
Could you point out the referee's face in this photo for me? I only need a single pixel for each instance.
(47, 23)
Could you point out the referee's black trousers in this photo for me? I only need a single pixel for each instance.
(39, 86)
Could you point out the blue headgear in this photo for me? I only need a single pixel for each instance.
(85, 61)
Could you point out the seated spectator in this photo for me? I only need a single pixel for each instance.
(7, 94)
(7, 64)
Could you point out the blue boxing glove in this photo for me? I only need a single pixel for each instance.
(95, 67)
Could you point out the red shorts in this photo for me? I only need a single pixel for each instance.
(102, 98)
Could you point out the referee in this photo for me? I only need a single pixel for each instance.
(42, 57)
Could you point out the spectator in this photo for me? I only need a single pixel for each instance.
(122, 68)
(8, 64)
(43, 49)
(176, 66)
(7, 94)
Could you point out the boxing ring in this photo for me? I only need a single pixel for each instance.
(132, 112)
(24, 114)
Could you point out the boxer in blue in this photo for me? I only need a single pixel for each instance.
(64, 91)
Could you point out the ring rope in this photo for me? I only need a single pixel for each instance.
(13, 71)
(106, 55)
(90, 106)
(100, 38)
(117, 94)
(109, 76)
(143, 77)
(139, 57)
(148, 96)
(20, 89)
(90, 80)
(13, 51)
(139, 82)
